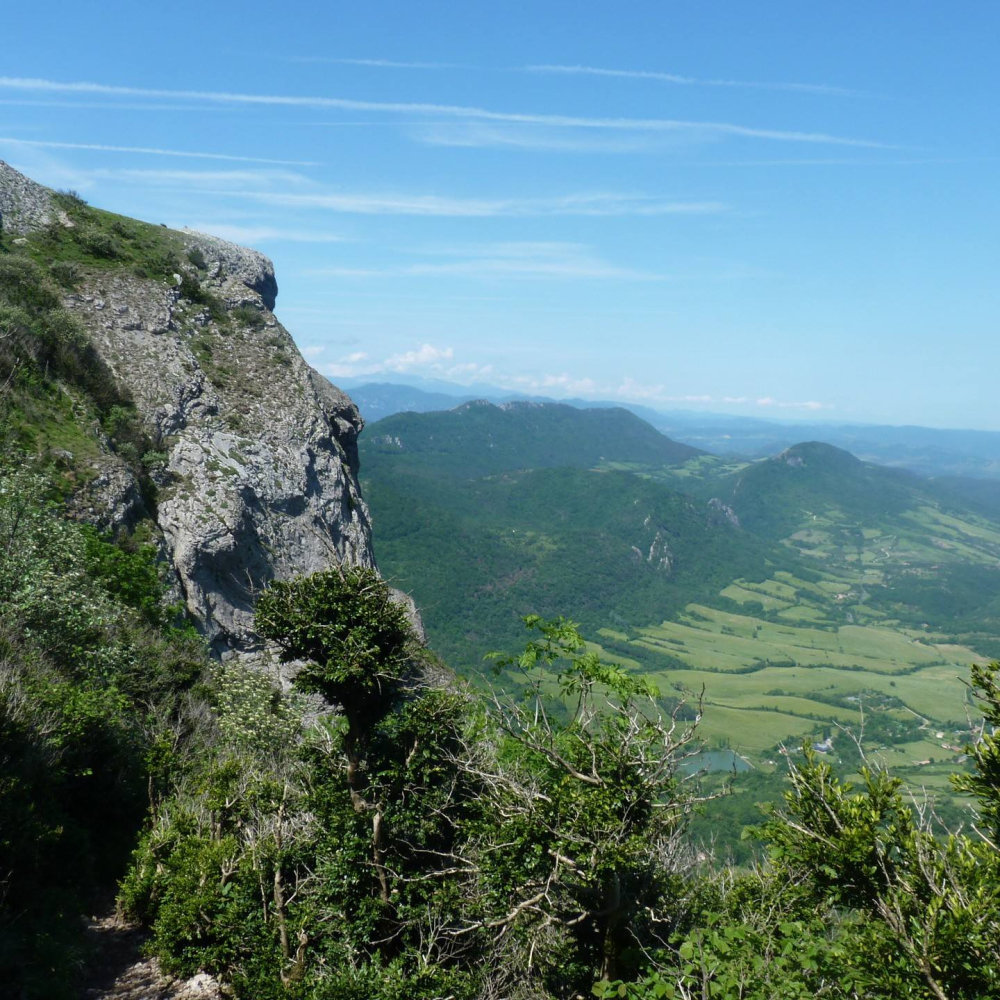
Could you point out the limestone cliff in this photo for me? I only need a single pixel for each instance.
(255, 457)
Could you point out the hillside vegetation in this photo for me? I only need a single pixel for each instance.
(804, 592)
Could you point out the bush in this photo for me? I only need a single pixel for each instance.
(91, 679)
(100, 244)
(250, 317)
(197, 258)
(66, 273)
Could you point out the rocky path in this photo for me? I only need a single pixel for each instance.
(119, 971)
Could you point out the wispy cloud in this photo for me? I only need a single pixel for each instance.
(588, 204)
(201, 178)
(628, 74)
(143, 106)
(441, 361)
(691, 81)
(631, 389)
(153, 151)
(477, 135)
(426, 357)
(250, 235)
(378, 63)
(439, 110)
(561, 383)
(513, 260)
(809, 404)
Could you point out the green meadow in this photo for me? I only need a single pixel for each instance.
(769, 682)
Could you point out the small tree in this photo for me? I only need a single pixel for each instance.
(356, 642)
(587, 845)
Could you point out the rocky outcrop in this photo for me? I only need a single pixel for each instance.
(261, 451)
(255, 454)
(24, 205)
(243, 267)
(722, 510)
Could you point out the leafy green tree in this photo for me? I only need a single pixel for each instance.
(589, 863)
(356, 643)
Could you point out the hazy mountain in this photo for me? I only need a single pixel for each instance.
(480, 438)
(930, 451)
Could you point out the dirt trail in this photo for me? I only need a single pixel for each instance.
(118, 970)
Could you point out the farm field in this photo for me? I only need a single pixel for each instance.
(768, 682)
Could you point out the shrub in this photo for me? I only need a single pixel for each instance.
(100, 244)
(66, 273)
(197, 258)
(249, 316)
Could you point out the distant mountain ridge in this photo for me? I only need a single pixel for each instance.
(927, 450)
(479, 438)
(775, 497)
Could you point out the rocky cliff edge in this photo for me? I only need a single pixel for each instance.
(256, 453)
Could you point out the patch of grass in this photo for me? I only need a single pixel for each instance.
(95, 239)
(253, 319)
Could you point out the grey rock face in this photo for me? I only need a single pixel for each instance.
(24, 205)
(239, 264)
(261, 475)
(718, 507)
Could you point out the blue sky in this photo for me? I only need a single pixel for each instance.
(778, 209)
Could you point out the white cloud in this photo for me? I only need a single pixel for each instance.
(255, 178)
(584, 204)
(437, 110)
(151, 151)
(690, 81)
(250, 235)
(810, 404)
(377, 63)
(513, 260)
(468, 371)
(477, 135)
(631, 389)
(426, 356)
(313, 350)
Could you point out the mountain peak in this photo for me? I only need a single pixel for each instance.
(479, 438)
(817, 454)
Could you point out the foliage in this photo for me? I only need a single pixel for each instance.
(863, 896)
(92, 238)
(91, 683)
(429, 845)
(544, 541)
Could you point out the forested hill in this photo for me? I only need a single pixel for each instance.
(479, 438)
(778, 495)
